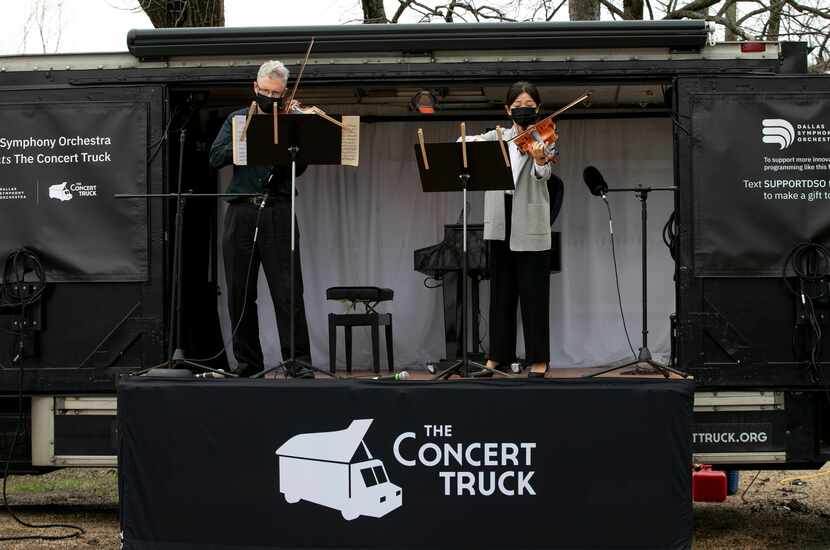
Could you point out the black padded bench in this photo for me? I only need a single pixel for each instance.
(368, 297)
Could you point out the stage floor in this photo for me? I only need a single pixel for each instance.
(553, 373)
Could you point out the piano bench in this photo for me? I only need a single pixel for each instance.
(368, 297)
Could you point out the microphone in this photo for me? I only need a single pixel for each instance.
(595, 182)
(403, 375)
(211, 374)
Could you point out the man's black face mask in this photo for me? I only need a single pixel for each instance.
(524, 116)
(266, 103)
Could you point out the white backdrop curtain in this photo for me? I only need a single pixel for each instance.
(360, 226)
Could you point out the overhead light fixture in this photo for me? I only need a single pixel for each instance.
(424, 102)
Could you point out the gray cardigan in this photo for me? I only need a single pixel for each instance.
(530, 221)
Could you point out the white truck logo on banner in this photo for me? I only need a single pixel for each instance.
(60, 192)
(321, 468)
(778, 131)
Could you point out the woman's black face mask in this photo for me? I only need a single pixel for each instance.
(524, 116)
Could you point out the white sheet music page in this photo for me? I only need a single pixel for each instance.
(240, 147)
(350, 142)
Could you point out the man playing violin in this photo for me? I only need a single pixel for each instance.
(517, 227)
(270, 219)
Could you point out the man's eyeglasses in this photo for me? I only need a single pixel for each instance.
(268, 93)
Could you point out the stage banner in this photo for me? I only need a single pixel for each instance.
(761, 179)
(233, 464)
(59, 168)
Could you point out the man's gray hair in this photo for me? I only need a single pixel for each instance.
(273, 69)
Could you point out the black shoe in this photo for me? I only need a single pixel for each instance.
(295, 371)
(531, 374)
(244, 370)
(487, 372)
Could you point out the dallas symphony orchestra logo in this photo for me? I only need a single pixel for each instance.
(337, 470)
(778, 131)
(65, 192)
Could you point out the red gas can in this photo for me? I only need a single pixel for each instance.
(708, 485)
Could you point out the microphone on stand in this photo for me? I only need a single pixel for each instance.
(597, 186)
(403, 375)
(595, 182)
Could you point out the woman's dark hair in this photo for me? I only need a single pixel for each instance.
(518, 89)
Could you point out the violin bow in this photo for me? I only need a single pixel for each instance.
(287, 105)
(580, 99)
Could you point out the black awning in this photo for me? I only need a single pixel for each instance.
(340, 39)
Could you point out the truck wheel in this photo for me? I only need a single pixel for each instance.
(349, 515)
(291, 499)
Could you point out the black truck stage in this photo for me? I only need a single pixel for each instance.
(749, 314)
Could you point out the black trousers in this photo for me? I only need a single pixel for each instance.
(518, 277)
(273, 252)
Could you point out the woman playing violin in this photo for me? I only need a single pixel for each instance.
(517, 226)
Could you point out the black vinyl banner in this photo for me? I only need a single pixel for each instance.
(60, 166)
(761, 177)
(233, 464)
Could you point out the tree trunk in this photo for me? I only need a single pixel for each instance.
(732, 16)
(373, 11)
(184, 13)
(583, 10)
(774, 25)
(633, 9)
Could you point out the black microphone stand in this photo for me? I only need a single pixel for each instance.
(177, 363)
(644, 364)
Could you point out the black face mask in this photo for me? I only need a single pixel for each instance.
(524, 116)
(266, 104)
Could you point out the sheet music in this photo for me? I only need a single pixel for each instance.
(240, 147)
(350, 142)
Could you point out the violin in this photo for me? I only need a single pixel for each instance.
(544, 131)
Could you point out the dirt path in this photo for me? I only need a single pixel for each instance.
(765, 514)
(770, 514)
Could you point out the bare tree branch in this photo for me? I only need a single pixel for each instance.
(555, 10)
(680, 14)
(741, 19)
(45, 21)
(808, 9)
(613, 9)
(752, 14)
(402, 6)
(448, 12)
(696, 6)
(726, 5)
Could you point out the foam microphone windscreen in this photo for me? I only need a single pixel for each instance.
(594, 180)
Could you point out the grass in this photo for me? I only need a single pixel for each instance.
(97, 485)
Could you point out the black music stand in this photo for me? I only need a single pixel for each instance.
(304, 138)
(445, 169)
